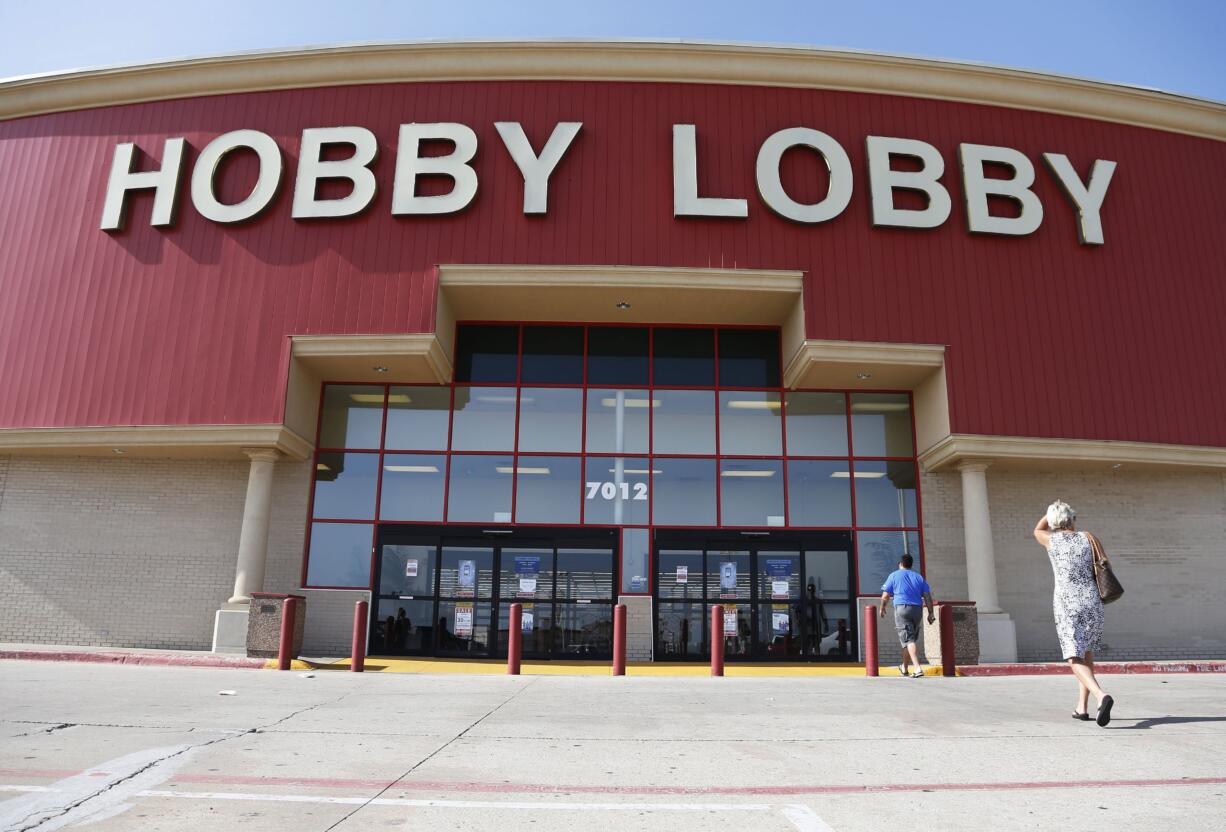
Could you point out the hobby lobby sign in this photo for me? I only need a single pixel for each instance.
(357, 148)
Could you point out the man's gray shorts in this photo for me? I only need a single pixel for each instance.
(907, 622)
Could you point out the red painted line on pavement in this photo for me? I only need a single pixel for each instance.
(1057, 669)
(154, 659)
(547, 788)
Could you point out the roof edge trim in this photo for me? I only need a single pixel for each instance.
(632, 61)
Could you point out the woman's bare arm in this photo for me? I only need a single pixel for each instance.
(1041, 532)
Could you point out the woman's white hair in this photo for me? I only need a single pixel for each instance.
(1060, 515)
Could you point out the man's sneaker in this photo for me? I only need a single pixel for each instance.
(919, 672)
(902, 671)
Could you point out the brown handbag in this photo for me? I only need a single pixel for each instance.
(1109, 587)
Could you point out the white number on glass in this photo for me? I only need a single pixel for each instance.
(610, 490)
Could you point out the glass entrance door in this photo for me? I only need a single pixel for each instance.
(443, 591)
(790, 592)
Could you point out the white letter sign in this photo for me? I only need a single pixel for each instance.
(770, 187)
(164, 182)
(266, 183)
(537, 170)
(883, 181)
(312, 168)
(686, 201)
(977, 188)
(410, 165)
(1087, 200)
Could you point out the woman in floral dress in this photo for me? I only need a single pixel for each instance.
(1077, 606)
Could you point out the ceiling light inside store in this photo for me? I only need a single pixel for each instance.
(612, 402)
(319, 466)
(879, 407)
(507, 469)
(367, 398)
(767, 473)
(642, 472)
(501, 399)
(411, 469)
(860, 475)
(753, 404)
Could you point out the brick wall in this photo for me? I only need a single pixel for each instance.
(1164, 530)
(639, 635)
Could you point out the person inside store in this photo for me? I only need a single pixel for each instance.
(815, 619)
(910, 593)
(1076, 603)
(402, 627)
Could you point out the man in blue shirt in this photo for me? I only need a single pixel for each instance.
(909, 591)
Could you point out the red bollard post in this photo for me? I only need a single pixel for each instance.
(357, 648)
(870, 640)
(619, 640)
(947, 641)
(286, 645)
(717, 640)
(515, 638)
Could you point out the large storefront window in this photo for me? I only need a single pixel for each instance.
(635, 427)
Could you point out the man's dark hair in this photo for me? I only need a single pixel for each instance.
(906, 561)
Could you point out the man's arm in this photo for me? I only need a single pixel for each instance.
(928, 604)
(885, 599)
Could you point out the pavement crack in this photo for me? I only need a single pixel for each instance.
(50, 730)
(434, 753)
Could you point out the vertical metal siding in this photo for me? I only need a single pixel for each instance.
(186, 325)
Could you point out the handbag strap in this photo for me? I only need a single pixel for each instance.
(1100, 554)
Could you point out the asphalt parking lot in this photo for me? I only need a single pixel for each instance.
(125, 748)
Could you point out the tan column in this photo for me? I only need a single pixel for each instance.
(253, 540)
(977, 526)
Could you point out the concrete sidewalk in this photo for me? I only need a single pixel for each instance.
(173, 749)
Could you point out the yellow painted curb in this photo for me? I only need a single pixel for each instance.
(497, 667)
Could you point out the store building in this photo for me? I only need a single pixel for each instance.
(452, 326)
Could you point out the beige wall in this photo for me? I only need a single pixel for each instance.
(1164, 529)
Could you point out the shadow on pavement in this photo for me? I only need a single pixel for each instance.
(1150, 722)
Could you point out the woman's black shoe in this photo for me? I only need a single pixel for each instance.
(1082, 717)
(1104, 711)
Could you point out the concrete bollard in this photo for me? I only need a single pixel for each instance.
(619, 640)
(947, 641)
(357, 648)
(717, 640)
(870, 641)
(285, 647)
(515, 638)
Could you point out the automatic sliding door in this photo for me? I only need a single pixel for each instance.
(680, 606)
(403, 618)
(466, 591)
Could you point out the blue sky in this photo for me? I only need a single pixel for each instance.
(1175, 45)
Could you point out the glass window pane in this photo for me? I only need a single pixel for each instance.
(352, 416)
(778, 576)
(466, 572)
(548, 489)
(339, 554)
(484, 419)
(742, 643)
(584, 629)
(750, 423)
(617, 355)
(417, 418)
(836, 637)
(536, 625)
(585, 573)
(881, 424)
(751, 492)
(779, 630)
(683, 421)
(479, 490)
(684, 492)
(885, 494)
(817, 424)
(681, 630)
(453, 639)
(683, 357)
(407, 570)
(412, 487)
(819, 493)
(878, 556)
(345, 486)
(826, 575)
(526, 574)
(487, 353)
(636, 560)
(680, 574)
(728, 575)
(749, 358)
(550, 419)
(552, 355)
(403, 626)
(617, 420)
(616, 490)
